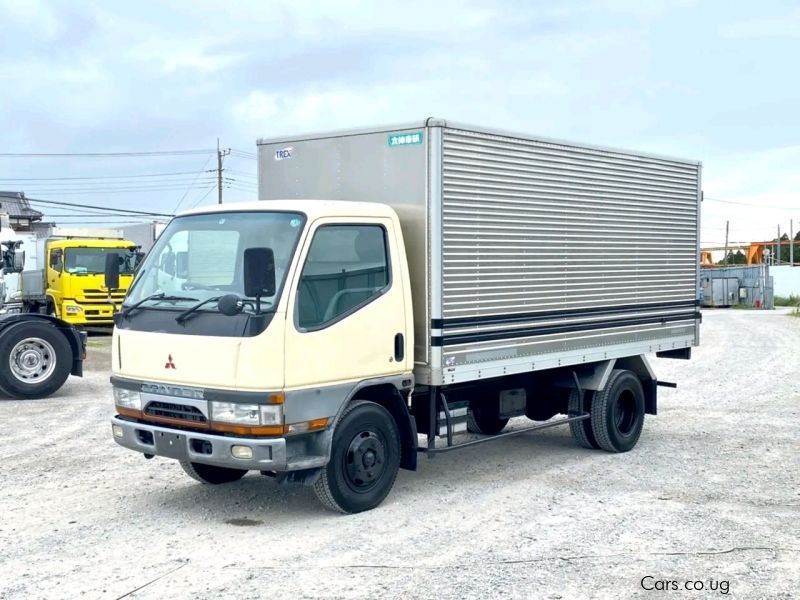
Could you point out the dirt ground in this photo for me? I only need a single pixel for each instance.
(710, 496)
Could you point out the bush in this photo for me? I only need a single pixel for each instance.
(791, 300)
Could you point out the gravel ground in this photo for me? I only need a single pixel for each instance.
(710, 493)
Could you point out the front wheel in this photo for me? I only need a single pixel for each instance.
(618, 412)
(211, 474)
(35, 360)
(365, 458)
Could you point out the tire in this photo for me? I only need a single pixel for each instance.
(582, 430)
(365, 459)
(35, 360)
(618, 412)
(210, 474)
(479, 421)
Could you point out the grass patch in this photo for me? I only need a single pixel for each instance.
(792, 300)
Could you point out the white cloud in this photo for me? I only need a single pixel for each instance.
(759, 191)
(35, 16)
(787, 25)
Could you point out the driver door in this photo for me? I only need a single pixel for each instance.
(346, 306)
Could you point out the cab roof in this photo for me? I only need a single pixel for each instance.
(78, 242)
(313, 209)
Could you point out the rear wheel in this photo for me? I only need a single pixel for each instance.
(582, 430)
(35, 360)
(365, 458)
(211, 474)
(618, 412)
(481, 420)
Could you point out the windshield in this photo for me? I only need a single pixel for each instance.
(199, 257)
(93, 260)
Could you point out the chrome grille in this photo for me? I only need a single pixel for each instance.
(169, 410)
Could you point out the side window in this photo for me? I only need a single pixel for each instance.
(346, 267)
(55, 259)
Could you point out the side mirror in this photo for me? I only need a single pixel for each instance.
(19, 261)
(182, 265)
(112, 271)
(259, 272)
(138, 258)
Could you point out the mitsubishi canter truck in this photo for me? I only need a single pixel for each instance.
(406, 290)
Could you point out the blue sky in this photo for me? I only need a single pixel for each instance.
(714, 81)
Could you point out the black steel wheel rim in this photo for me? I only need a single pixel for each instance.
(365, 460)
(624, 412)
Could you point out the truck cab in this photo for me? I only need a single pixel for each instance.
(70, 284)
(228, 379)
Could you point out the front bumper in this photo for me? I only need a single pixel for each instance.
(90, 313)
(269, 454)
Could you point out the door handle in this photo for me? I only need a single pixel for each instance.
(399, 347)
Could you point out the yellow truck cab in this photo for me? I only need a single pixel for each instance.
(446, 279)
(69, 282)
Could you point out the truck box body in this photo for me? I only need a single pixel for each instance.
(525, 253)
(143, 234)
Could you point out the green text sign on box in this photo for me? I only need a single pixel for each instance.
(405, 139)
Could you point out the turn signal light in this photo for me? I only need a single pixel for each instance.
(313, 425)
(128, 412)
(248, 430)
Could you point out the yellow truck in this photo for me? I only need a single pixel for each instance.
(67, 279)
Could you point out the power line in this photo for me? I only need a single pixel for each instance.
(191, 185)
(136, 175)
(71, 204)
(241, 154)
(135, 190)
(105, 154)
(210, 189)
(245, 173)
(752, 205)
(101, 183)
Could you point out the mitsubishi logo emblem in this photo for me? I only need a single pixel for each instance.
(170, 364)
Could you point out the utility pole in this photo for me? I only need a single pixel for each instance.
(220, 155)
(791, 242)
(778, 248)
(725, 262)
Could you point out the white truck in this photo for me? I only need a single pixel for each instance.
(409, 281)
(144, 235)
(37, 352)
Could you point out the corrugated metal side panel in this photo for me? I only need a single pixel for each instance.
(550, 247)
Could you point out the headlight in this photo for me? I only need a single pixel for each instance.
(247, 414)
(74, 310)
(128, 398)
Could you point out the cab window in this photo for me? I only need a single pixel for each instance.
(56, 259)
(346, 268)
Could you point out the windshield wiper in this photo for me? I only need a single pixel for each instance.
(185, 314)
(157, 296)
